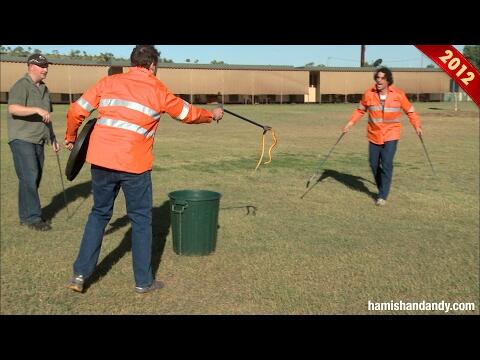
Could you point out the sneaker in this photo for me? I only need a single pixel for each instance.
(40, 226)
(380, 202)
(156, 285)
(76, 283)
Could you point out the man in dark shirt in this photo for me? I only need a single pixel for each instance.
(29, 128)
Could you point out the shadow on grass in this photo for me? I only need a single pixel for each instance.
(249, 208)
(160, 229)
(83, 190)
(353, 182)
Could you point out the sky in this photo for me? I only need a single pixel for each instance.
(292, 55)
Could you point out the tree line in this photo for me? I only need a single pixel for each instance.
(78, 54)
(73, 54)
(471, 52)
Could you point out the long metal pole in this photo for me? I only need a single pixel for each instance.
(426, 153)
(63, 186)
(244, 118)
(324, 160)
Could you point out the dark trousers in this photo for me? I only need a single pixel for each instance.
(28, 160)
(381, 163)
(137, 189)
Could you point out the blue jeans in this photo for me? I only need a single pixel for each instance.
(381, 163)
(28, 160)
(137, 189)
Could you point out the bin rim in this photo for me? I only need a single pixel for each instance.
(194, 195)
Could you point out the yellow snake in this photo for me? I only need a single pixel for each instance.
(269, 150)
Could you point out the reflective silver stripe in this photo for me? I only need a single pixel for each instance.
(378, 120)
(84, 104)
(392, 121)
(391, 109)
(184, 113)
(375, 108)
(125, 125)
(131, 105)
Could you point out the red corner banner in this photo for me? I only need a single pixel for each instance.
(456, 66)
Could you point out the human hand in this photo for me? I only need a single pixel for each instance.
(419, 131)
(217, 114)
(44, 114)
(69, 145)
(55, 146)
(347, 127)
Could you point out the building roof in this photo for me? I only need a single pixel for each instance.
(124, 63)
(364, 69)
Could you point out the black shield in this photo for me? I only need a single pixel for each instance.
(79, 151)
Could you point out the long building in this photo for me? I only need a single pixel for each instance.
(238, 84)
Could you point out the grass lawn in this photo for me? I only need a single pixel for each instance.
(329, 253)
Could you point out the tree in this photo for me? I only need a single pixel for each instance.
(215, 62)
(75, 53)
(106, 56)
(187, 60)
(19, 51)
(472, 54)
(310, 64)
(430, 66)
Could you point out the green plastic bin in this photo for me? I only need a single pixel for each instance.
(194, 217)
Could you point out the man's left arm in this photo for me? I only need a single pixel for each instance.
(414, 118)
(181, 110)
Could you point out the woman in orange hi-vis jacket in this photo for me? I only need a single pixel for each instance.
(383, 103)
(120, 151)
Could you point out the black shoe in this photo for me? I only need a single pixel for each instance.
(49, 222)
(40, 226)
(156, 285)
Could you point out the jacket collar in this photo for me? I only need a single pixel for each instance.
(391, 89)
(30, 80)
(139, 70)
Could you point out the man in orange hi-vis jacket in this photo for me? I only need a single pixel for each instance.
(120, 152)
(383, 103)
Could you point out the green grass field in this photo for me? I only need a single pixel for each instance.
(329, 253)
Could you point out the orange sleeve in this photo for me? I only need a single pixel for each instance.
(410, 111)
(359, 112)
(82, 108)
(181, 110)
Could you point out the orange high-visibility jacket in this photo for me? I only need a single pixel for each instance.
(384, 122)
(129, 107)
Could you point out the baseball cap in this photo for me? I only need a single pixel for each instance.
(38, 59)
